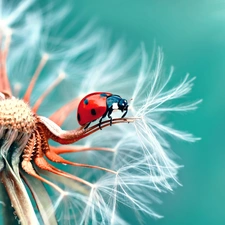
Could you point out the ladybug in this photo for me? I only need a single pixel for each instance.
(99, 105)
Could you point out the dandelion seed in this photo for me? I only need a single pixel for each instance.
(124, 164)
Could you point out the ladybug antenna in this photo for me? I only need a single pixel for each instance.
(130, 100)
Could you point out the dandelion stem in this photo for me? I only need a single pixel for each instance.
(30, 88)
(42, 199)
(69, 137)
(70, 149)
(7, 43)
(27, 166)
(58, 159)
(60, 77)
(6, 210)
(76, 186)
(43, 164)
(4, 84)
(19, 197)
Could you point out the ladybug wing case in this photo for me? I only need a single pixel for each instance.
(92, 107)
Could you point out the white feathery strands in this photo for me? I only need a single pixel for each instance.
(76, 175)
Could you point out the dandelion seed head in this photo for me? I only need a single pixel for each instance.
(16, 114)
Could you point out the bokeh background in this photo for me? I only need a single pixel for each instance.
(192, 36)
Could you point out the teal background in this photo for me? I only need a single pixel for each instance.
(192, 35)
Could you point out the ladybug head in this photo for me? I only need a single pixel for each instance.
(123, 105)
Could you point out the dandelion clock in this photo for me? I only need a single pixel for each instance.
(81, 140)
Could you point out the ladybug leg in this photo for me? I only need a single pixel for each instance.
(124, 114)
(109, 115)
(100, 121)
(87, 126)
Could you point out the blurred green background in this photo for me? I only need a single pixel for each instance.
(192, 35)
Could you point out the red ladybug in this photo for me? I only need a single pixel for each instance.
(99, 105)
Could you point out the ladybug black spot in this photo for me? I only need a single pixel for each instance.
(93, 112)
(85, 101)
(78, 117)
